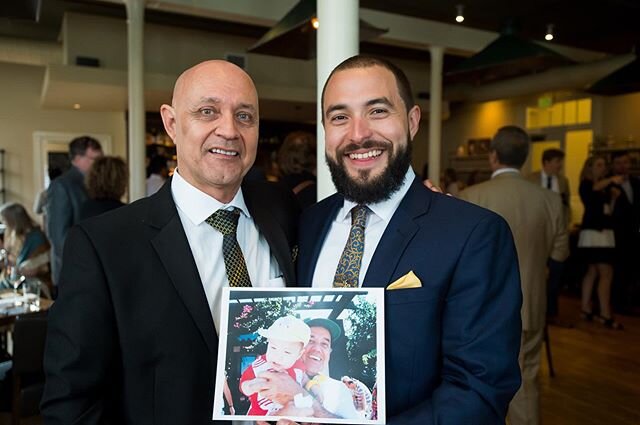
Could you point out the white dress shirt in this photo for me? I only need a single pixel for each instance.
(555, 186)
(336, 239)
(504, 170)
(194, 207)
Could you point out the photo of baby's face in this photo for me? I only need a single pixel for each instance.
(283, 354)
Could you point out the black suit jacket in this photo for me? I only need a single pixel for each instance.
(131, 339)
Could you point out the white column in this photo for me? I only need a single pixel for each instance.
(338, 39)
(435, 113)
(136, 143)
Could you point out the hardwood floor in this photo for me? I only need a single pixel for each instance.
(597, 378)
(597, 370)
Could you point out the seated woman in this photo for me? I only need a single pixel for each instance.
(27, 248)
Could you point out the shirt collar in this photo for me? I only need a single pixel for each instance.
(197, 205)
(504, 170)
(384, 209)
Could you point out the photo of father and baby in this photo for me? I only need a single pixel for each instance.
(309, 355)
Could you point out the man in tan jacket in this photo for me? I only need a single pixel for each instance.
(551, 178)
(536, 220)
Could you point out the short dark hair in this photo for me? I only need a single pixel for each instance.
(79, 146)
(365, 61)
(297, 153)
(107, 178)
(511, 144)
(551, 154)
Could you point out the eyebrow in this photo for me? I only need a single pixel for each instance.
(379, 100)
(217, 100)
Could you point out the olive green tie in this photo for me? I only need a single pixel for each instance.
(348, 270)
(226, 222)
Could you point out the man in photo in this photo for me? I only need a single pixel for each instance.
(328, 397)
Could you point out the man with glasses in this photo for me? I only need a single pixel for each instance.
(65, 196)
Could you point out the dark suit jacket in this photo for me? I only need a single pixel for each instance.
(65, 196)
(131, 339)
(451, 345)
(626, 216)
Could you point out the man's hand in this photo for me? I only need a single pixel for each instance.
(433, 187)
(279, 387)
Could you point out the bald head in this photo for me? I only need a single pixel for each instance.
(221, 70)
(213, 121)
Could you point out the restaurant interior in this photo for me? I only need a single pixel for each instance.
(566, 71)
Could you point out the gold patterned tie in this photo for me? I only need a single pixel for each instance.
(348, 269)
(226, 222)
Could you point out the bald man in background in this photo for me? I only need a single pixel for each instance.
(132, 337)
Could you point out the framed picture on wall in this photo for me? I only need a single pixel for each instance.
(480, 146)
(310, 355)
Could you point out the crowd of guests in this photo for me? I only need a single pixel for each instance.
(94, 184)
(607, 236)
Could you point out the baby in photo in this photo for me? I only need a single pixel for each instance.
(286, 340)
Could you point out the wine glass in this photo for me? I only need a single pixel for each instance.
(16, 281)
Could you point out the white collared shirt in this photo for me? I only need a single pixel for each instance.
(194, 207)
(336, 239)
(554, 181)
(504, 170)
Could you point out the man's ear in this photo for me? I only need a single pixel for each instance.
(414, 120)
(169, 120)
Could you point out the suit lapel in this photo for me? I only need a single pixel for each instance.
(172, 247)
(400, 231)
(318, 230)
(274, 235)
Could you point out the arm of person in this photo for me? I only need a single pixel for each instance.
(282, 388)
(560, 248)
(59, 216)
(79, 361)
(228, 397)
(481, 330)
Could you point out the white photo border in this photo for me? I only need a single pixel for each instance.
(378, 296)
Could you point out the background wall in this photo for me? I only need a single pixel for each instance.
(21, 115)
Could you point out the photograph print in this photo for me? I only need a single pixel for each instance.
(310, 355)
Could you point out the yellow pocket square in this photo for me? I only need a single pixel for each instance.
(409, 280)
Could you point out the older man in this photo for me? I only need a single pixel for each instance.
(132, 338)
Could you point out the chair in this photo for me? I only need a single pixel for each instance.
(547, 343)
(29, 334)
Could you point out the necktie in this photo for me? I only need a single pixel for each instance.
(348, 269)
(226, 222)
(549, 182)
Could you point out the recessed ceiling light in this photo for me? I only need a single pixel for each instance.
(459, 13)
(315, 23)
(549, 35)
(76, 106)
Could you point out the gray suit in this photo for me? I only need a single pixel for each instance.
(536, 220)
(64, 197)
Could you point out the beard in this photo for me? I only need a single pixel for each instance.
(365, 189)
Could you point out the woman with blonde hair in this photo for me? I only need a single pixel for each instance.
(26, 247)
(596, 241)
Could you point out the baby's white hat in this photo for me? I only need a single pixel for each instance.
(288, 328)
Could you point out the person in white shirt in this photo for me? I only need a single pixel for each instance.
(133, 336)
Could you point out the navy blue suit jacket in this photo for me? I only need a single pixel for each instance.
(451, 345)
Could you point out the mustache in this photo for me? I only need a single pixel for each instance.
(367, 144)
